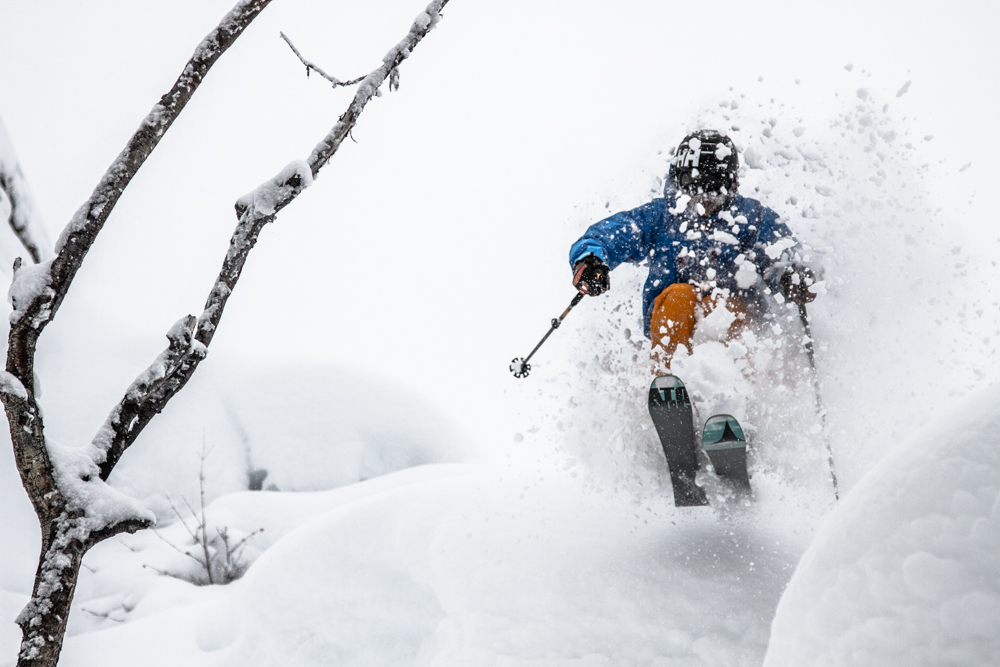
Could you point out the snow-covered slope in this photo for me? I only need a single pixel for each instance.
(452, 565)
(433, 251)
(907, 569)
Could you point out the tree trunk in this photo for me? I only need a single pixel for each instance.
(43, 620)
(70, 527)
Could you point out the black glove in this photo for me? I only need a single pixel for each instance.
(591, 276)
(795, 283)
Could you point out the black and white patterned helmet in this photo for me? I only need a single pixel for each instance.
(706, 161)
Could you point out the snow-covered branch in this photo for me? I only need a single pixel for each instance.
(75, 506)
(154, 388)
(37, 291)
(68, 486)
(313, 67)
(423, 24)
(255, 209)
(81, 232)
(148, 394)
(24, 218)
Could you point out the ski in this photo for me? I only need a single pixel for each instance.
(726, 446)
(670, 409)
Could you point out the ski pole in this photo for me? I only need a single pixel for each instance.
(520, 367)
(820, 410)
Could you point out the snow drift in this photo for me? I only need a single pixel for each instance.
(907, 570)
(449, 564)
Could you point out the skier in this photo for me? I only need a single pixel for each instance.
(707, 246)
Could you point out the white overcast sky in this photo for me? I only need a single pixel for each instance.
(433, 249)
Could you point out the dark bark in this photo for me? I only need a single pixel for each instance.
(423, 24)
(144, 399)
(89, 219)
(42, 627)
(133, 412)
(23, 218)
(67, 530)
(9, 184)
(65, 540)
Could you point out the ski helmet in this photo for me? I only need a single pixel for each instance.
(705, 161)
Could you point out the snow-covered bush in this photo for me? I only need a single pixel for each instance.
(217, 550)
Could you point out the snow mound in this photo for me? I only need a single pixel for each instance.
(448, 564)
(160, 569)
(906, 570)
(485, 568)
(303, 429)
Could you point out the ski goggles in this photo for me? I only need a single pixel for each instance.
(693, 183)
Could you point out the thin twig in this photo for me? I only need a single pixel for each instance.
(178, 515)
(178, 550)
(240, 544)
(423, 24)
(204, 524)
(234, 552)
(316, 68)
(194, 514)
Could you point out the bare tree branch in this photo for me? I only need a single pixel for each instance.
(24, 218)
(181, 518)
(39, 304)
(139, 405)
(234, 550)
(178, 550)
(30, 455)
(423, 24)
(64, 542)
(36, 293)
(127, 525)
(194, 515)
(315, 68)
(202, 523)
(175, 366)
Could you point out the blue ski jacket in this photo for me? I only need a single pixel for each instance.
(743, 248)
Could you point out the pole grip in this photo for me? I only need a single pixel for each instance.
(576, 299)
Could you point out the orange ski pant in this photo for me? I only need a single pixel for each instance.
(675, 312)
